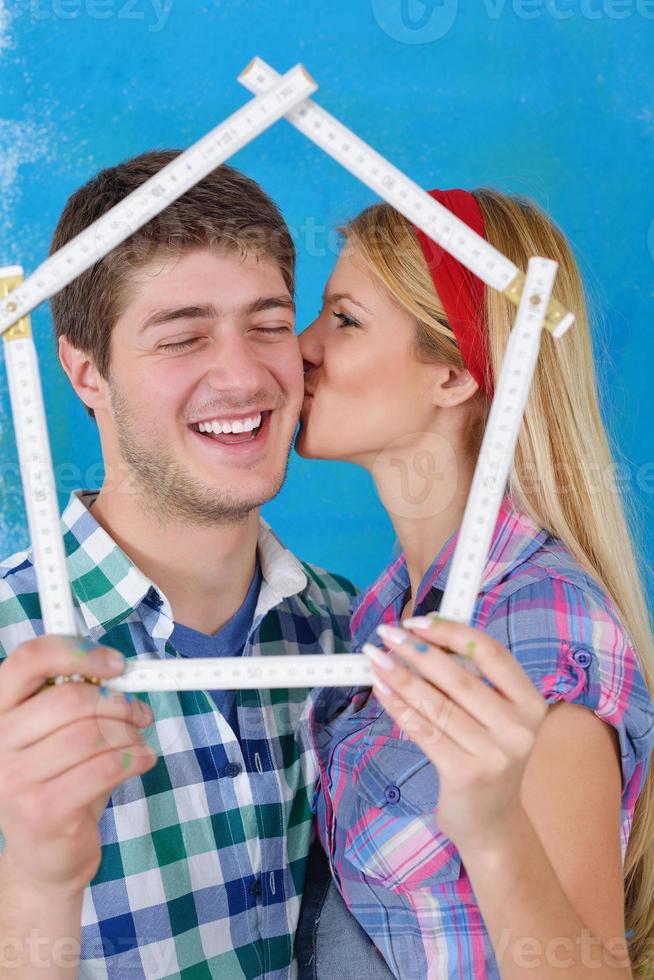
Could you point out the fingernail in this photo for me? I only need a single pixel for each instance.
(378, 656)
(145, 712)
(115, 658)
(381, 686)
(393, 634)
(127, 758)
(82, 645)
(421, 647)
(129, 697)
(418, 623)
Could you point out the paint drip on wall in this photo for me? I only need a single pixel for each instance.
(6, 39)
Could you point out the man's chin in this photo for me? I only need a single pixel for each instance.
(245, 495)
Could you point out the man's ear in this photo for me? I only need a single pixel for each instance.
(452, 385)
(83, 375)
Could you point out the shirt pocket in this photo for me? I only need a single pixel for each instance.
(393, 837)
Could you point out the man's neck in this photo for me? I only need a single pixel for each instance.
(204, 572)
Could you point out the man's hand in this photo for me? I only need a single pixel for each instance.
(63, 749)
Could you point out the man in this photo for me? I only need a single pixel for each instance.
(188, 863)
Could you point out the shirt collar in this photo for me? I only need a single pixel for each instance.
(516, 537)
(109, 587)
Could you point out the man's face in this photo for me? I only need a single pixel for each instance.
(205, 385)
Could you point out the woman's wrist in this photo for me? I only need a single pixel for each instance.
(494, 846)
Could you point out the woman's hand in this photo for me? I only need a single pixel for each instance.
(478, 737)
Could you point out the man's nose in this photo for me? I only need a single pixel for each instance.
(233, 364)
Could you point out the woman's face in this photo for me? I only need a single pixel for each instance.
(365, 390)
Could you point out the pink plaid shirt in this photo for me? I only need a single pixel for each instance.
(400, 876)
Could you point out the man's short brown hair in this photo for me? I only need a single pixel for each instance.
(225, 210)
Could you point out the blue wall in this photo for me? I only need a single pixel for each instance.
(551, 99)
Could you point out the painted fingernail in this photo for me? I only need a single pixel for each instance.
(378, 656)
(127, 759)
(392, 634)
(104, 691)
(421, 647)
(472, 646)
(129, 697)
(380, 686)
(418, 623)
(81, 645)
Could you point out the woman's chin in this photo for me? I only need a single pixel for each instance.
(303, 445)
(308, 447)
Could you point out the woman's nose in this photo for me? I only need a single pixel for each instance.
(311, 346)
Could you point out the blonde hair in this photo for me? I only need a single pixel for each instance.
(561, 449)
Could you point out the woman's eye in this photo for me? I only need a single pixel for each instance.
(181, 345)
(346, 321)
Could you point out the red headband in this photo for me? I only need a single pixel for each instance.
(459, 290)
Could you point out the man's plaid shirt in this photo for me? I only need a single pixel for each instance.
(203, 857)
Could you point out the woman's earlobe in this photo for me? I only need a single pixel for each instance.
(455, 388)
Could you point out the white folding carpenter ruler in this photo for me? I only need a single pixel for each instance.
(405, 196)
(536, 309)
(276, 95)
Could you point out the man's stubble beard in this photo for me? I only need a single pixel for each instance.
(168, 492)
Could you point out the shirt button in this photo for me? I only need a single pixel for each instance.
(392, 794)
(232, 769)
(255, 887)
(582, 657)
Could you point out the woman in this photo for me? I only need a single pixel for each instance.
(477, 827)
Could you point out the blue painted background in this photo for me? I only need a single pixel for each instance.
(550, 99)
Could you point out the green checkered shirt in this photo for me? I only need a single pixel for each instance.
(204, 856)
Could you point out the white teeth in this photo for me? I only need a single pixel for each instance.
(238, 425)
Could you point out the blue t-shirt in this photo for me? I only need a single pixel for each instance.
(229, 641)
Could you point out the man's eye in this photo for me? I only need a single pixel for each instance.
(346, 321)
(271, 330)
(181, 345)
